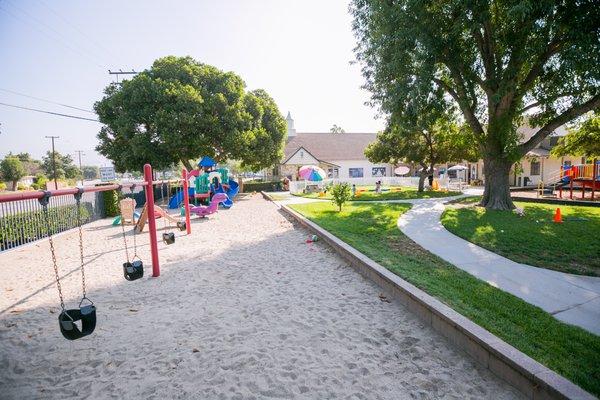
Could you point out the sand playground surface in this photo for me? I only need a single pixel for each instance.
(243, 309)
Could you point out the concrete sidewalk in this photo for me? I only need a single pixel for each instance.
(570, 298)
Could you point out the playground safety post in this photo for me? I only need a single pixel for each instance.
(186, 201)
(151, 219)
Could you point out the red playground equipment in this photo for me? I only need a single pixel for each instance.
(581, 176)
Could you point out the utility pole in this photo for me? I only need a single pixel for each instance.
(53, 159)
(79, 153)
(121, 72)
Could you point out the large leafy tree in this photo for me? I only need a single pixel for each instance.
(439, 142)
(12, 169)
(496, 60)
(181, 109)
(90, 172)
(65, 168)
(582, 141)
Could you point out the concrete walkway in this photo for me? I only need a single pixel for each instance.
(574, 299)
(570, 298)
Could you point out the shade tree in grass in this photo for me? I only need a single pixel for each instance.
(423, 131)
(181, 109)
(498, 62)
(581, 141)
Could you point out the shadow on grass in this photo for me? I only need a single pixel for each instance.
(534, 238)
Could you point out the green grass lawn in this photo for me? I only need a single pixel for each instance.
(405, 193)
(573, 246)
(371, 228)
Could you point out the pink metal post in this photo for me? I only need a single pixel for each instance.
(186, 201)
(151, 220)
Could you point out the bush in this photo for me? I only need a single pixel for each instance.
(111, 199)
(271, 186)
(2, 186)
(340, 194)
(29, 226)
(20, 186)
(39, 183)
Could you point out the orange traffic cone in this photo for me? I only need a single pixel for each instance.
(557, 216)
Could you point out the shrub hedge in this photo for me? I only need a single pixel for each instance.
(270, 186)
(111, 199)
(29, 226)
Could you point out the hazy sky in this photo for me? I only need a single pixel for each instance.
(298, 51)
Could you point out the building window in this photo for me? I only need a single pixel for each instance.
(535, 168)
(333, 173)
(378, 171)
(355, 172)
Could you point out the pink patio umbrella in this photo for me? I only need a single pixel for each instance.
(312, 173)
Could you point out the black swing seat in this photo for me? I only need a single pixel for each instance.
(85, 314)
(181, 225)
(168, 237)
(133, 270)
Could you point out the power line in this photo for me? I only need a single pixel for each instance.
(49, 112)
(58, 36)
(47, 101)
(76, 28)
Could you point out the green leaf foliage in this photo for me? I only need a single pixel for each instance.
(583, 141)
(496, 61)
(179, 110)
(65, 168)
(340, 194)
(12, 169)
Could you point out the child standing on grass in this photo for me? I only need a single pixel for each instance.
(353, 190)
(378, 187)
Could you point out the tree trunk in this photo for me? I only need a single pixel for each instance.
(14, 185)
(422, 181)
(496, 194)
(187, 165)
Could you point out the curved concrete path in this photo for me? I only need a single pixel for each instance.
(574, 299)
(570, 298)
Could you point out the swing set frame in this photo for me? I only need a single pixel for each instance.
(148, 185)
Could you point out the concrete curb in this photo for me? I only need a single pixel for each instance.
(530, 377)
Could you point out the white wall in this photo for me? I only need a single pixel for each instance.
(367, 166)
(303, 157)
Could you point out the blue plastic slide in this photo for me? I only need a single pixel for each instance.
(178, 198)
(234, 188)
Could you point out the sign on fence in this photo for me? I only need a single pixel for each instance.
(107, 174)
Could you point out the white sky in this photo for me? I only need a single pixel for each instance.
(298, 51)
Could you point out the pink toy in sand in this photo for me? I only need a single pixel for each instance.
(203, 211)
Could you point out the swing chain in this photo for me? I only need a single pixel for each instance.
(123, 230)
(78, 202)
(44, 202)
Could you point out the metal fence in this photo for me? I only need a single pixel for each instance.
(22, 221)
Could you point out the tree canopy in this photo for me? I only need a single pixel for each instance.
(12, 169)
(439, 142)
(337, 129)
(179, 110)
(90, 172)
(65, 169)
(496, 61)
(582, 141)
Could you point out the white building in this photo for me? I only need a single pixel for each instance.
(341, 155)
